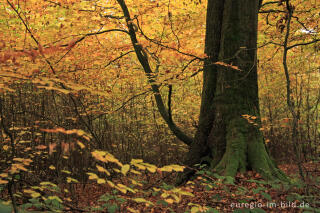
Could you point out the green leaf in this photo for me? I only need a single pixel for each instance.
(257, 211)
(106, 197)
(113, 208)
(266, 195)
(121, 200)
(257, 190)
(211, 210)
(241, 211)
(167, 187)
(257, 181)
(229, 180)
(290, 197)
(216, 197)
(162, 202)
(218, 176)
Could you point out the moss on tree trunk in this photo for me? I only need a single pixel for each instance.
(230, 93)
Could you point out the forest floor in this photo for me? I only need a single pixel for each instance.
(221, 196)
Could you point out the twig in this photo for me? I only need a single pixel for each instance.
(169, 101)
(117, 58)
(87, 35)
(130, 99)
(165, 46)
(303, 44)
(54, 72)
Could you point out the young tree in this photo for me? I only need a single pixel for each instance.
(228, 135)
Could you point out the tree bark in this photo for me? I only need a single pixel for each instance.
(224, 138)
(230, 92)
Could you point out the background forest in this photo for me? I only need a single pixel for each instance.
(78, 117)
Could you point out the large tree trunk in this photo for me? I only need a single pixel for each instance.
(224, 136)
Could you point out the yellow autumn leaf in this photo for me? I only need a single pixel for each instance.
(194, 209)
(123, 190)
(166, 169)
(134, 182)
(105, 157)
(4, 175)
(169, 200)
(110, 183)
(55, 198)
(18, 159)
(182, 192)
(19, 166)
(165, 195)
(92, 176)
(177, 168)
(135, 172)
(177, 198)
(52, 167)
(142, 200)
(81, 145)
(135, 161)
(101, 169)
(156, 189)
(5, 147)
(101, 181)
(70, 179)
(32, 193)
(48, 183)
(125, 169)
(110, 158)
(116, 170)
(99, 155)
(139, 166)
(3, 181)
(151, 168)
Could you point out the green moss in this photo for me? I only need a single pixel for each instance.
(245, 149)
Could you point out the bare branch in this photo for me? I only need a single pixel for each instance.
(117, 58)
(165, 46)
(54, 72)
(87, 35)
(130, 99)
(303, 44)
(143, 59)
(169, 102)
(270, 2)
(272, 11)
(114, 17)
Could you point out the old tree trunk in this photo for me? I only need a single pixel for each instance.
(225, 138)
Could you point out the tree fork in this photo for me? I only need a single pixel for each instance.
(234, 144)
